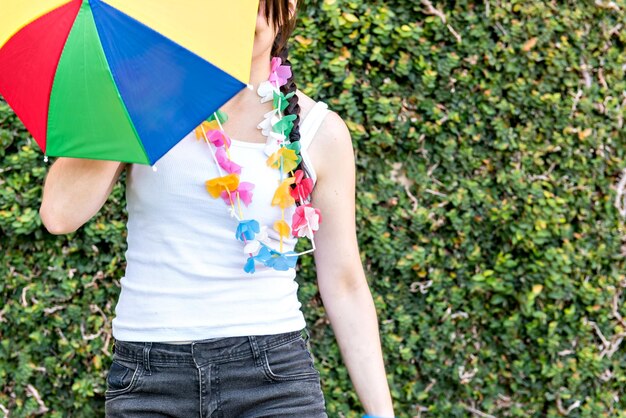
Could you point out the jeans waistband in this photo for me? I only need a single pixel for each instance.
(198, 353)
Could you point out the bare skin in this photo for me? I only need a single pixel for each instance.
(76, 189)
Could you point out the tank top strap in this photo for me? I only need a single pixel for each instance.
(311, 123)
(308, 128)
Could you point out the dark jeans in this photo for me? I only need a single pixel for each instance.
(256, 376)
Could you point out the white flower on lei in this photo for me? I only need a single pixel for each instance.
(269, 120)
(266, 90)
(273, 143)
(253, 246)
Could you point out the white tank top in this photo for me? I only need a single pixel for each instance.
(184, 277)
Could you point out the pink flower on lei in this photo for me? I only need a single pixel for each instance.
(245, 193)
(279, 74)
(228, 165)
(306, 220)
(218, 138)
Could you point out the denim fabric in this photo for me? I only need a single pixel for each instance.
(255, 376)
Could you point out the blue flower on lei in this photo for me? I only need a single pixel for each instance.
(271, 258)
(246, 230)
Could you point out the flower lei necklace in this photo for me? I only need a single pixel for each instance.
(284, 156)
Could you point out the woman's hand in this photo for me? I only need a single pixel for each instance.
(74, 191)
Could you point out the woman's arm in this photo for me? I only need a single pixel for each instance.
(341, 279)
(74, 191)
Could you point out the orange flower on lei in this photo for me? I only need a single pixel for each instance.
(217, 185)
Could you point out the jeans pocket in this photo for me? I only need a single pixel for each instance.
(122, 377)
(287, 362)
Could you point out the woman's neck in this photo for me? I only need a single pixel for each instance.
(245, 109)
(259, 72)
(260, 69)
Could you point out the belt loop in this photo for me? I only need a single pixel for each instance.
(146, 358)
(255, 349)
(307, 335)
(307, 339)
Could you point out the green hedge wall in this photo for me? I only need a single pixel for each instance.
(490, 142)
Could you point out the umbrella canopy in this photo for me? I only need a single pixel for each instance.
(121, 80)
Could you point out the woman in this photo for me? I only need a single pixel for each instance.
(200, 328)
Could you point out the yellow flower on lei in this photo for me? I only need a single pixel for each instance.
(208, 126)
(282, 196)
(282, 228)
(290, 159)
(217, 185)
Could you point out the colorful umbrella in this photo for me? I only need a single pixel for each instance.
(117, 79)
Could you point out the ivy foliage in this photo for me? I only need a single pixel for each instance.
(490, 145)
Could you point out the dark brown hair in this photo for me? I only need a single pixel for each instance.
(284, 23)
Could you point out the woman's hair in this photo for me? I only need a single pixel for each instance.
(284, 22)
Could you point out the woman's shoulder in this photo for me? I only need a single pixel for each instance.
(306, 104)
(332, 125)
(333, 134)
